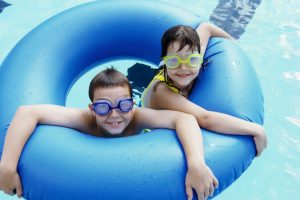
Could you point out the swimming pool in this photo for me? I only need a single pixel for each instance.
(271, 41)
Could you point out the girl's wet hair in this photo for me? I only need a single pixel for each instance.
(108, 78)
(185, 35)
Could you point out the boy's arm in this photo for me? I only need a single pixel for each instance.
(21, 128)
(25, 121)
(206, 31)
(199, 176)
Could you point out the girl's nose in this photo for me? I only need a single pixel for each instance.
(183, 66)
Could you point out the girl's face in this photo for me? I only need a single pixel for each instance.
(184, 75)
(115, 123)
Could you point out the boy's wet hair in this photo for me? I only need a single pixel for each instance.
(108, 78)
(185, 35)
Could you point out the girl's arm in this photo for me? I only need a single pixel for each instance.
(199, 175)
(21, 128)
(164, 98)
(206, 31)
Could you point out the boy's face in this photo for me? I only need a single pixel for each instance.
(115, 123)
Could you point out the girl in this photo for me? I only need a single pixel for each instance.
(182, 56)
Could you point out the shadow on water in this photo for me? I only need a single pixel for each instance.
(3, 5)
(233, 16)
(140, 75)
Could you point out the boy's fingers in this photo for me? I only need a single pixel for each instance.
(216, 182)
(19, 190)
(189, 191)
(211, 190)
(9, 192)
(200, 195)
(206, 193)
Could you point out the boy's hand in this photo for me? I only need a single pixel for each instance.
(260, 140)
(201, 178)
(10, 181)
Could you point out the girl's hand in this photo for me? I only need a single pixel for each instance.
(201, 178)
(10, 181)
(260, 139)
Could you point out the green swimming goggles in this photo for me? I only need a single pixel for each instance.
(173, 61)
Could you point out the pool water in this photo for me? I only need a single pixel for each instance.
(269, 31)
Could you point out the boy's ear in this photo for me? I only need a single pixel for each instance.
(91, 107)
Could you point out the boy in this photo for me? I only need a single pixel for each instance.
(111, 114)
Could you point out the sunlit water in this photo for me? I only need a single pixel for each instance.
(271, 39)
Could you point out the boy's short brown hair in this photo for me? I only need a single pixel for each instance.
(108, 78)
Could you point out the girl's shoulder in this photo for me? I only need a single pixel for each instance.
(147, 94)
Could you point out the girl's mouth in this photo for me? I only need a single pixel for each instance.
(182, 75)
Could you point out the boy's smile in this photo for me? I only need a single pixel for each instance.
(115, 123)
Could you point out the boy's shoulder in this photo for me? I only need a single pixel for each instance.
(88, 121)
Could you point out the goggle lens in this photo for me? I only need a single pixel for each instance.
(172, 62)
(101, 108)
(125, 106)
(195, 61)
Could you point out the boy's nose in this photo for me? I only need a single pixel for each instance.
(114, 112)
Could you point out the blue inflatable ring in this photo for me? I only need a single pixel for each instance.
(61, 163)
